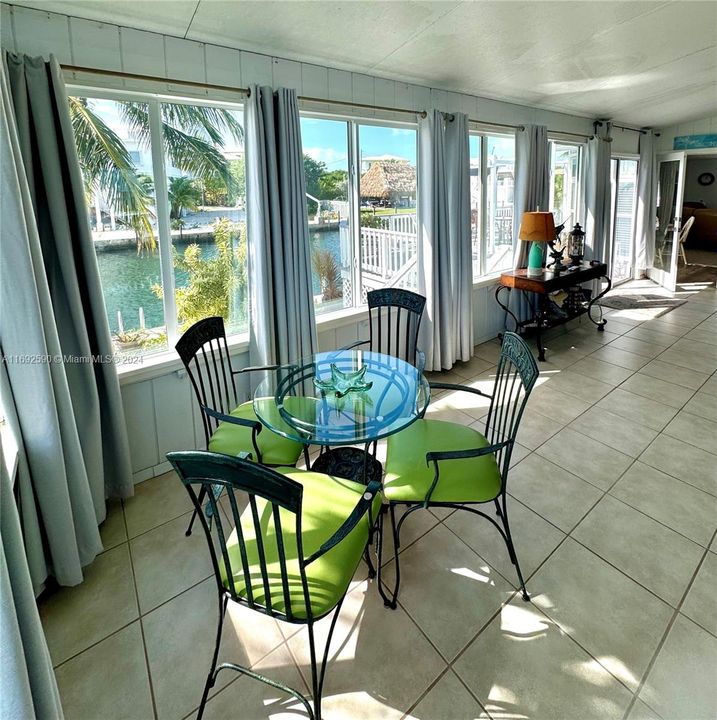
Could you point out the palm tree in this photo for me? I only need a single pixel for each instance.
(183, 195)
(192, 135)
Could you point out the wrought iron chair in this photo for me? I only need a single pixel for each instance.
(291, 553)
(394, 319)
(229, 427)
(443, 464)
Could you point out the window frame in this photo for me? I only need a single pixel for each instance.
(154, 100)
(556, 139)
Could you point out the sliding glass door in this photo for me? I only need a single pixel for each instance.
(623, 183)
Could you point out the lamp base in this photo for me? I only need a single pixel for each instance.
(535, 272)
(535, 260)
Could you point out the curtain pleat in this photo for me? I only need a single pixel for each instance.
(598, 197)
(69, 411)
(282, 327)
(444, 241)
(646, 205)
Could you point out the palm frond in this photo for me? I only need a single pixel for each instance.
(106, 165)
(203, 121)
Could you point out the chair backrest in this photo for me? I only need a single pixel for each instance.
(515, 377)
(205, 354)
(686, 229)
(394, 321)
(244, 482)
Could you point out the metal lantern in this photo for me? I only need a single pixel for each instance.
(576, 244)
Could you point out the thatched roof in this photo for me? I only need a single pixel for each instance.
(388, 177)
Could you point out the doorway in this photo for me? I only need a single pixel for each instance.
(623, 183)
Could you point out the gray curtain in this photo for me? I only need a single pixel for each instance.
(29, 689)
(532, 192)
(646, 205)
(444, 239)
(598, 196)
(67, 400)
(281, 307)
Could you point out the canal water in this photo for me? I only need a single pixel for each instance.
(127, 279)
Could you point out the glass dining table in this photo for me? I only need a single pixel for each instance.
(339, 399)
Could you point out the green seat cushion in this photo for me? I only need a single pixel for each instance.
(327, 502)
(409, 478)
(230, 439)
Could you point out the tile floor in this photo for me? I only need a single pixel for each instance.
(614, 508)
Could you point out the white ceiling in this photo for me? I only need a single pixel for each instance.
(643, 63)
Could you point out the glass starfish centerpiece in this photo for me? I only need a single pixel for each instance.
(342, 383)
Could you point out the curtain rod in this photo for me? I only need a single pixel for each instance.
(642, 131)
(522, 127)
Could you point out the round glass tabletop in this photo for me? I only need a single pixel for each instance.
(344, 397)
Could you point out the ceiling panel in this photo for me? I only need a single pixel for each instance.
(353, 35)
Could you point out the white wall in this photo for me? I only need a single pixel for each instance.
(694, 127)
(694, 192)
(161, 413)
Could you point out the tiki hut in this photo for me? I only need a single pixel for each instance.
(393, 181)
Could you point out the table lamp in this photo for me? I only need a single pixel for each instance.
(537, 228)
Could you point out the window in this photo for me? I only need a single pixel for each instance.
(564, 185)
(362, 224)
(492, 182)
(180, 223)
(623, 178)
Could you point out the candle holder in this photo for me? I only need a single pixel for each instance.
(576, 245)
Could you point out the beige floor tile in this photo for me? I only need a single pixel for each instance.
(557, 495)
(250, 699)
(688, 359)
(665, 327)
(471, 404)
(534, 429)
(363, 676)
(694, 430)
(556, 405)
(76, 617)
(533, 537)
(166, 562)
(108, 681)
(448, 589)
(417, 524)
(440, 411)
(489, 351)
(603, 371)
(585, 457)
(112, 530)
(637, 408)
(672, 373)
(640, 711)
(621, 358)
(154, 502)
(472, 367)
(613, 618)
(637, 346)
(651, 336)
(700, 604)
(447, 699)
(710, 386)
(579, 386)
(678, 686)
(704, 405)
(648, 552)
(586, 331)
(180, 634)
(655, 389)
(524, 666)
(680, 506)
(691, 347)
(618, 432)
(705, 336)
(684, 461)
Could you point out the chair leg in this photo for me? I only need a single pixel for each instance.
(389, 601)
(307, 459)
(511, 550)
(200, 500)
(211, 677)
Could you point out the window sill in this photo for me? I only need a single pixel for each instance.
(487, 280)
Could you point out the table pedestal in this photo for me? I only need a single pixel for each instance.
(350, 463)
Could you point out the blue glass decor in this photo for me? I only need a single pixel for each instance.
(342, 383)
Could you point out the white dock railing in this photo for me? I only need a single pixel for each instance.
(384, 253)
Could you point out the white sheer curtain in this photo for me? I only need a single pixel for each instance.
(646, 205)
(598, 196)
(444, 239)
(282, 325)
(532, 192)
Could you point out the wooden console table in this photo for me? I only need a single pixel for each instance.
(577, 303)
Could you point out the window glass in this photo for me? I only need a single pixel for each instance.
(113, 146)
(474, 142)
(206, 188)
(326, 171)
(624, 196)
(564, 173)
(500, 183)
(387, 199)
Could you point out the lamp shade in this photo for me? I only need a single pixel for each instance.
(537, 227)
